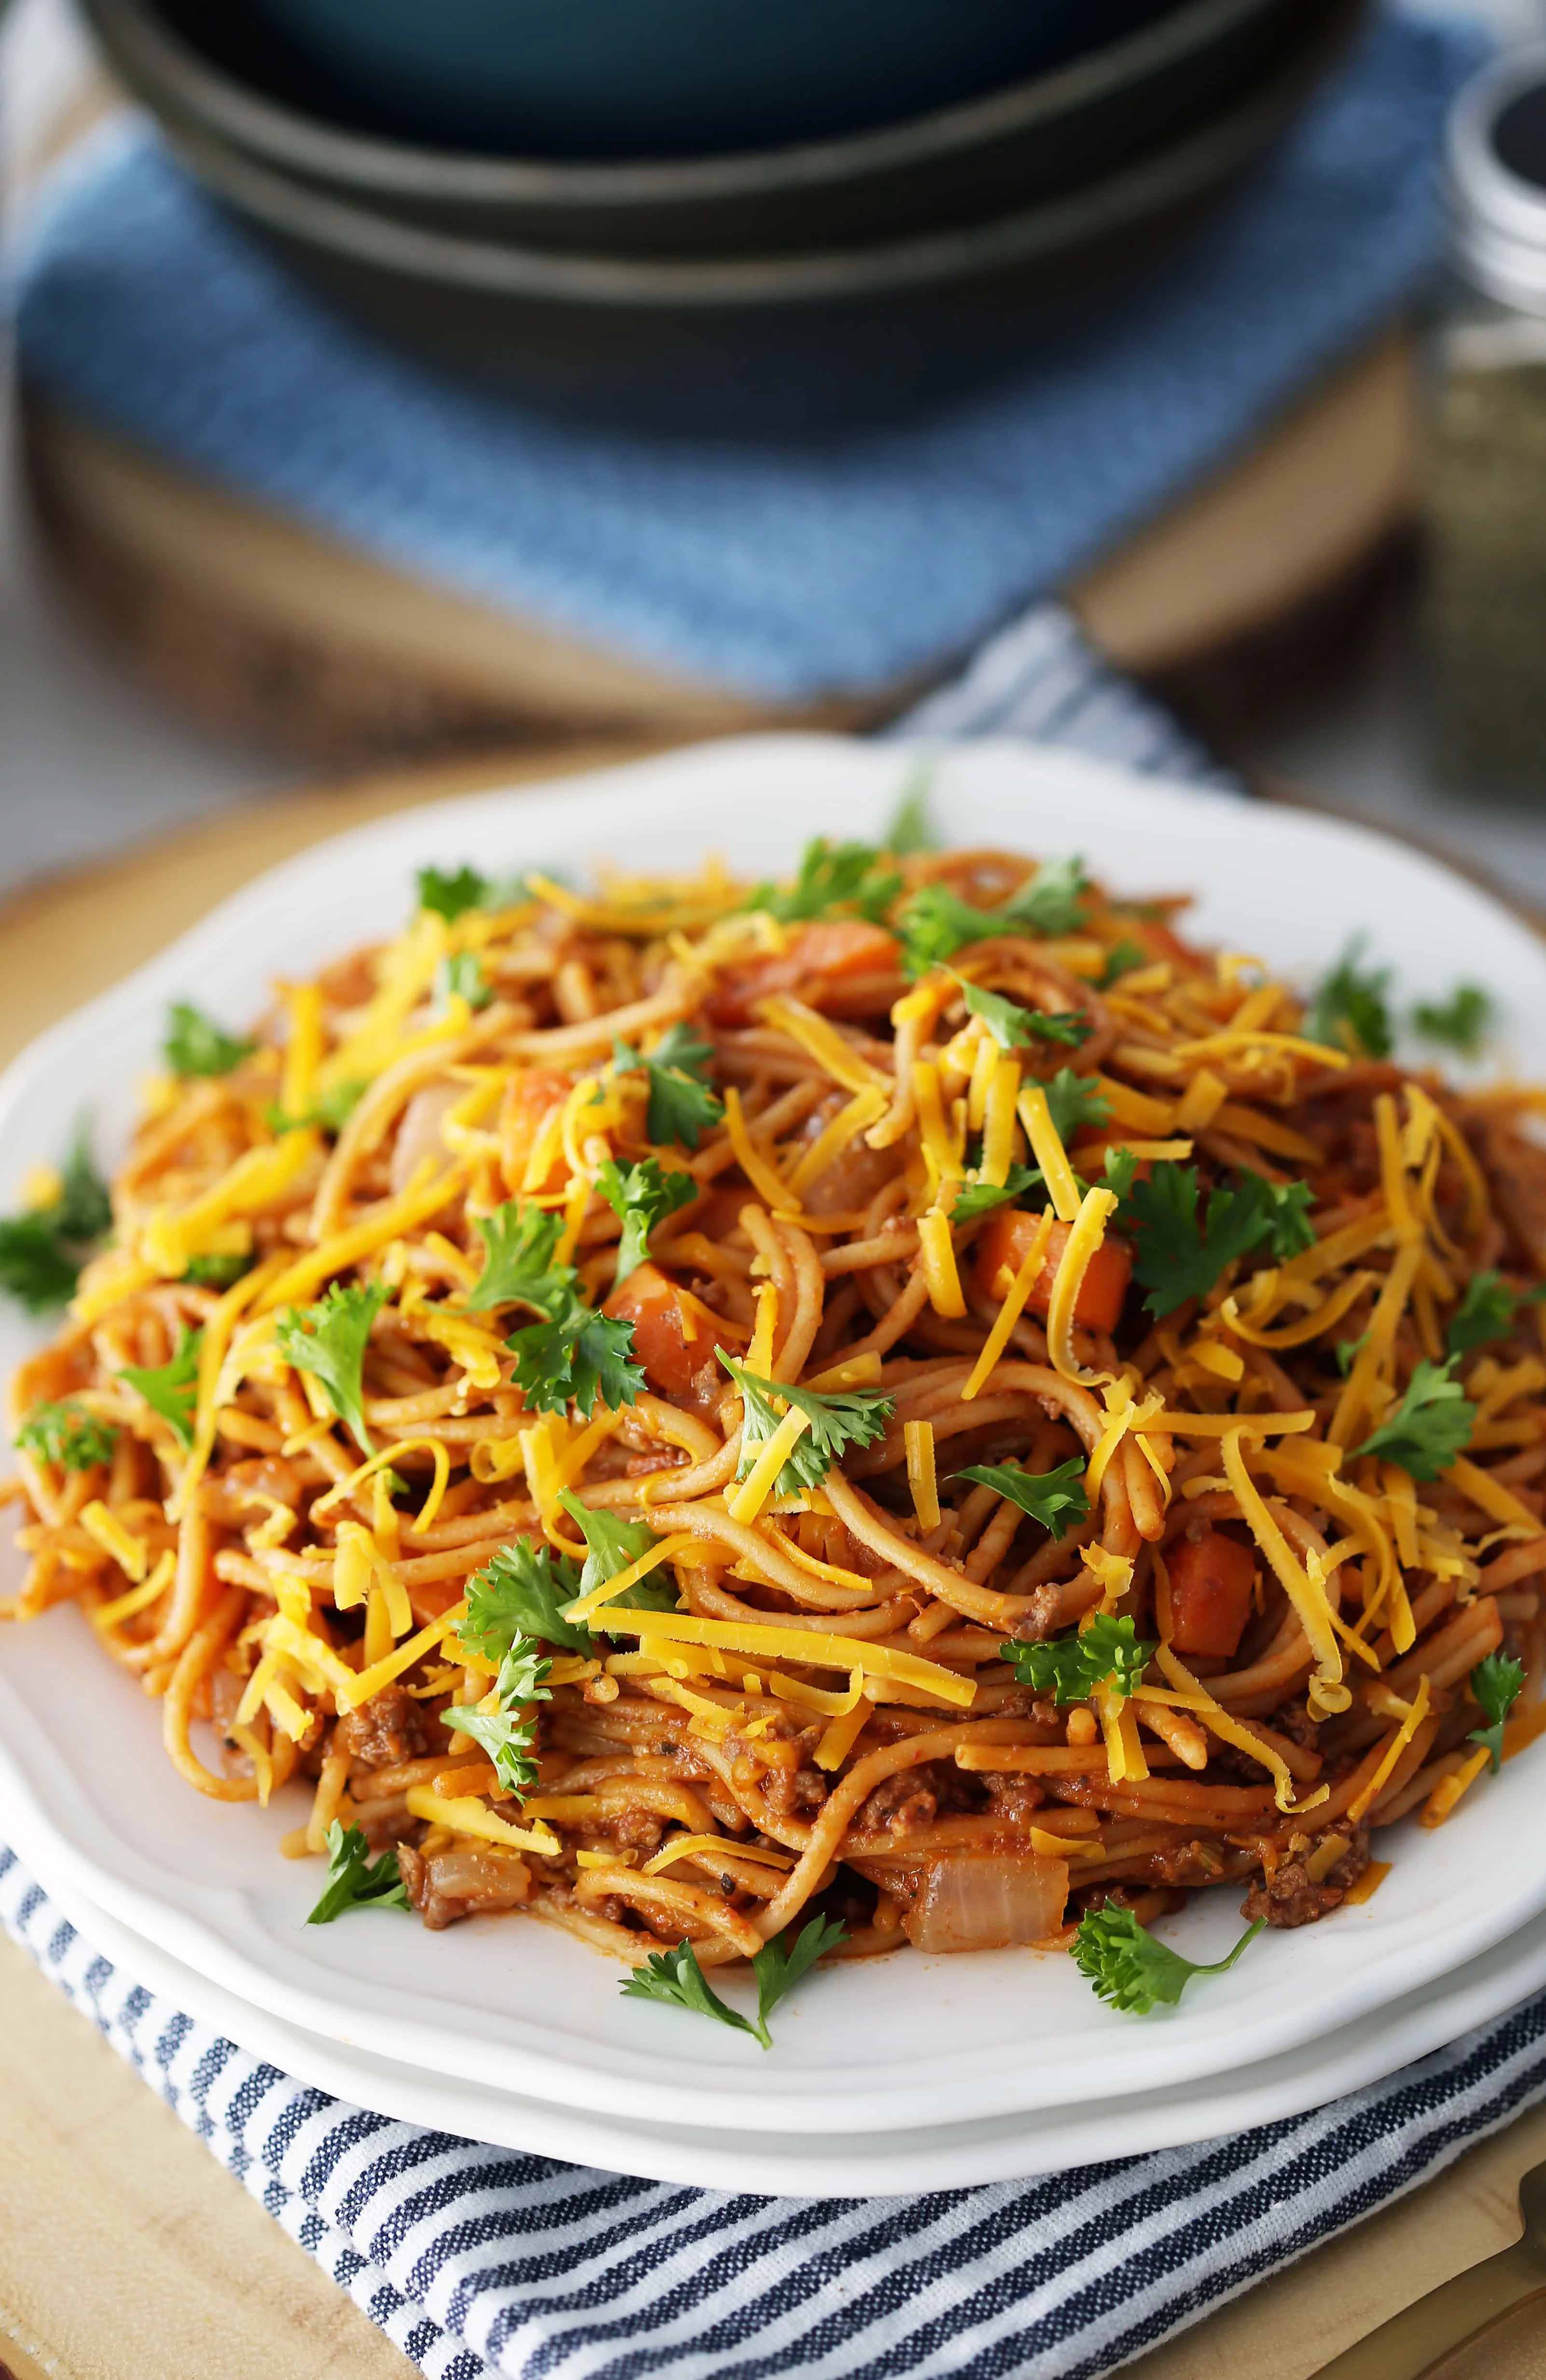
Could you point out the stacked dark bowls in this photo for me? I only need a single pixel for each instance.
(562, 196)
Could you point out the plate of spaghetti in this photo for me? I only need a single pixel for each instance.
(668, 1435)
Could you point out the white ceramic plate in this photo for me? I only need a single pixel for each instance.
(519, 2008)
(948, 2156)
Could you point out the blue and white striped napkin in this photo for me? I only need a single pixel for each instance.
(478, 2262)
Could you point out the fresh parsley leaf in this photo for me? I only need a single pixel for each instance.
(641, 1197)
(1429, 1427)
(836, 1422)
(1495, 1681)
(461, 976)
(580, 1356)
(1120, 959)
(66, 1435)
(1056, 1498)
(172, 1389)
(355, 1880)
(1120, 1173)
(833, 876)
(909, 831)
(934, 923)
(1487, 1312)
(449, 895)
(1107, 1652)
(1348, 1350)
(614, 1546)
(1013, 1026)
(218, 1272)
(504, 1733)
(781, 1962)
(981, 1197)
(41, 1251)
(1073, 1102)
(1179, 1256)
(518, 1266)
(1133, 1970)
(195, 1044)
(675, 1977)
(331, 1110)
(1052, 903)
(329, 1340)
(1349, 1009)
(36, 1269)
(682, 1106)
(522, 1591)
(1462, 1021)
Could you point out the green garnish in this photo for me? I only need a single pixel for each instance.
(329, 1341)
(1073, 1100)
(1056, 1498)
(1179, 1256)
(1120, 959)
(1495, 1681)
(1052, 903)
(1348, 1350)
(832, 877)
(682, 1107)
(1131, 1969)
(675, 1977)
(1487, 1311)
(1107, 1652)
(935, 922)
(331, 1110)
(521, 1593)
(218, 1272)
(909, 831)
(1349, 1009)
(518, 1266)
(450, 895)
(41, 1251)
(612, 1546)
(836, 1422)
(509, 1733)
(1013, 1026)
(573, 1352)
(461, 976)
(195, 1044)
(172, 1389)
(1429, 1428)
(67, 1436)
(355, 1880)
(981, 1197)
(641, 1197)
(1462, 1021)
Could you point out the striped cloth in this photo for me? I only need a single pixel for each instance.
(478, 2262)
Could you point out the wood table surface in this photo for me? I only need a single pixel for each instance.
(126, 2252)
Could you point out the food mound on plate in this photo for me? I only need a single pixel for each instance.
(911, 1398)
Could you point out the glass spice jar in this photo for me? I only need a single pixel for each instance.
(1485, 600)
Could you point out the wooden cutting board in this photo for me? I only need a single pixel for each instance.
(126, 2252)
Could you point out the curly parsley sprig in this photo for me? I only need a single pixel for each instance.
(67, 1436)
(1056, 1498)
(682, 1105)
(836, 1422)
(329, 1340)
(172, 1388)
(1133, 1970)
(1495, 1681)
(1108, 1653)
(1429, 1428)
(354, 1880)
(572, 1352)
(1180, 1255)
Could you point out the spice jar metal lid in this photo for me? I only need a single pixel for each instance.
(1496, 177)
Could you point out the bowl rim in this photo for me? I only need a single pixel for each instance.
(158, 60)
(1163, 179)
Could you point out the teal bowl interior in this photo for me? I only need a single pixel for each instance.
(613, 79)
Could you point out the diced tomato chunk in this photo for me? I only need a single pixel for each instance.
(825, 954)
(1210, 1594)
(1004, 1244)
(530, 1100)
(675, 1334)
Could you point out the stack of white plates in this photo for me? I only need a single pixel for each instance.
(888, 2074)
